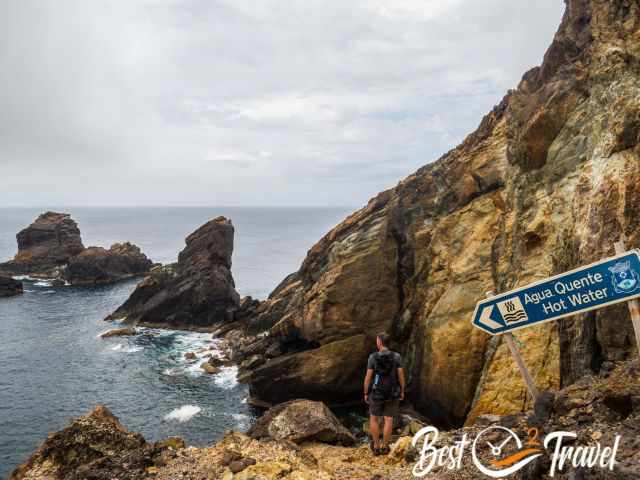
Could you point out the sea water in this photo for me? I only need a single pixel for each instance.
(56, 367)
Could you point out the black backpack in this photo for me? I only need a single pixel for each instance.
(385, 384)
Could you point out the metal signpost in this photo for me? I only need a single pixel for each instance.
(607, 282)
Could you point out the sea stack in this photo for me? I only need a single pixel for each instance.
(45, 246)
(197, 291)
(51, 247)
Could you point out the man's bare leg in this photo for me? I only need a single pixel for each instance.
(388, 429)
(374, 426)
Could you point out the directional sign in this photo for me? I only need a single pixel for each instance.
(609, 281)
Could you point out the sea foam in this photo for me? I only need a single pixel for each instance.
(183, 414)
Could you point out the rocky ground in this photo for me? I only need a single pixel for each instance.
(51, 247)
(303, 440)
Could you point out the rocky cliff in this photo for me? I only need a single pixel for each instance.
(197, 291)
(548, 181)
(51, 247)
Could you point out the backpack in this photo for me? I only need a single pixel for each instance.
(385, 384)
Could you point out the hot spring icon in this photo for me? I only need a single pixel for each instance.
(624, 278)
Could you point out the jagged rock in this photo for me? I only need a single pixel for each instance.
(549, 181)
(299, 421)
(10, 287)
(198, 290)
(190, 356)
(98, 265)
(90, 447)
(51, 247)
(119, 332)
(45, 245)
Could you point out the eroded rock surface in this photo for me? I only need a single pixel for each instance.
(45, 246)
(51, 247)
(549, 181)
(301, 421)
(99, 265)
(197, 291)
(10, 287)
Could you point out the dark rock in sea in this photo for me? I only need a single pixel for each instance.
(301, 421)
(197, 291)
(98, 265)
(45, 246)
(119, 332)
(10, 287)
(51, 247)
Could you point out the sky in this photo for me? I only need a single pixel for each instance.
(247, 102)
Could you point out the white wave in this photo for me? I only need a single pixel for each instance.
(43, 283)
(47, 291)
(226, 378)
(119, 347)
(24, 277)
(242, 420)
(183, 414)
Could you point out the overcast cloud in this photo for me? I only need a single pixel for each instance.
(247, 102)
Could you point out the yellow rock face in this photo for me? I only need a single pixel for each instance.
(548, 182)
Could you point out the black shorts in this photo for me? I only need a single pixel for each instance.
(384, 408)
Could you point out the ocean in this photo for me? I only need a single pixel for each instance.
(55, 367)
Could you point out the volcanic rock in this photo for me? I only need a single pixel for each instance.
(197, 291)
(98, 265)
(91, 444)
(10, 287)
(119, 332)
(299, 421)
(51, 247)
(548, 182)
(45, 246)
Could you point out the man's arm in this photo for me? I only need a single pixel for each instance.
(402, 382)
(367, 383)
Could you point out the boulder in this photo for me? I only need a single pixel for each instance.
(300, 421)
(208, 368)
(88, 445)
(98, 265)
(190, 356)
(45, 245)
(198, 290)
(119, 332)
(10, 287)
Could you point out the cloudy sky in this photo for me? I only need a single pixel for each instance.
(247, 102)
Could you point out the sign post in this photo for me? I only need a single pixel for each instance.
(634, 306)
(607, 282)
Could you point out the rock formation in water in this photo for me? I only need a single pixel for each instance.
(197, 291)
(548, 181)
(45, 246)
(51, 247)
(98, 265)
(10, 287)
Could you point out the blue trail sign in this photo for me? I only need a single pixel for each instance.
(609, 281)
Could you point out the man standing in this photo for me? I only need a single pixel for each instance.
(384, 386)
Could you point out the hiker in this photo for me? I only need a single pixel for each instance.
(383, 390)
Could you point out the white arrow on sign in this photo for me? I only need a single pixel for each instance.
(485, 318)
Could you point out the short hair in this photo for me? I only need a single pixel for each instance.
(384, 339)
